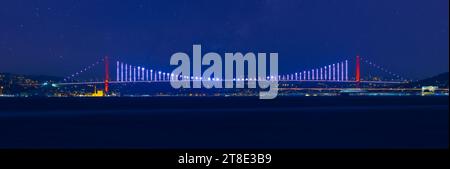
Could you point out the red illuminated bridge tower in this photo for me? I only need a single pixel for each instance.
(106, 75)
(358, 70)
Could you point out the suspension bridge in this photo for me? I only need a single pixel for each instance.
(344, 71)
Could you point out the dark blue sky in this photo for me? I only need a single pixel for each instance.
(409, 37)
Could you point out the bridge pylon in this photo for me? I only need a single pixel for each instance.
(106, 82)
(358, 71)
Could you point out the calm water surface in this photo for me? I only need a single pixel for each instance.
(218, 122)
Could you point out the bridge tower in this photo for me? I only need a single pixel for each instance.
(106, 75)
(358, 70)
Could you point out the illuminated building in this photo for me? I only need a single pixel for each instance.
(96, 93)
(428, 90)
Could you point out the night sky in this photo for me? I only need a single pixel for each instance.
(409, 37)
